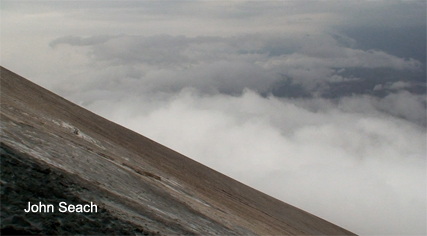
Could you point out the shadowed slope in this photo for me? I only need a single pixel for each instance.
(134, 178)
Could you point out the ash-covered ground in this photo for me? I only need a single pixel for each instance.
(25, 181)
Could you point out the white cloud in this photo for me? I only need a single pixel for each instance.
(360, 164)
(399, 85)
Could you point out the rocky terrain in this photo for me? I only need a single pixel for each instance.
(53, 150)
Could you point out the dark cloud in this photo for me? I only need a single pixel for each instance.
(408, 42)
(229, 64)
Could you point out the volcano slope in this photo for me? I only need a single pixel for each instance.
(55, 151)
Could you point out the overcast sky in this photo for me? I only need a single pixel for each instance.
(321, 104)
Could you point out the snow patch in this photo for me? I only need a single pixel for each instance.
(78, 132)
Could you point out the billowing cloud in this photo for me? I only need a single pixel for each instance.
(361, 164)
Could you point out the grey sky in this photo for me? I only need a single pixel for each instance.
(198, 76)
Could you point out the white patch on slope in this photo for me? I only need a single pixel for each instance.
(78, 132)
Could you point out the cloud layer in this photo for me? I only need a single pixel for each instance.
(348, 162)
(230, 64)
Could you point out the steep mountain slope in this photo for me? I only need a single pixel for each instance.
(142, 186)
